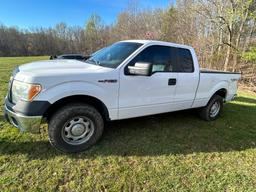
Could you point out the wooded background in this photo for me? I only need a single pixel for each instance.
(223, 32)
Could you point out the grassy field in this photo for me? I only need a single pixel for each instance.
(168, 152)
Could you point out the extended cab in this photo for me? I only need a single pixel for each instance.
(127, 79)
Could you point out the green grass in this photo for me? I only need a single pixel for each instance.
(168, 152)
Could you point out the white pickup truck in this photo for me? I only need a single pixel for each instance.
(127, 79)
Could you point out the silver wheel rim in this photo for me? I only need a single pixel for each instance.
(215, 108)
(78, 130)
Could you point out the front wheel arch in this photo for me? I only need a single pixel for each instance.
(93, 101)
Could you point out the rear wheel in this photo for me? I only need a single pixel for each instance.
(212, 110)
(75, 127)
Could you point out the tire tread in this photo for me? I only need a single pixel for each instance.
(57, 119)
(204, 112)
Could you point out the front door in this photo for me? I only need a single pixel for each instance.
(145, 95)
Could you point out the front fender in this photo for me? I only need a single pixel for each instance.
(107, 94)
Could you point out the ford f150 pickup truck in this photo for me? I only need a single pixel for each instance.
(127, 79)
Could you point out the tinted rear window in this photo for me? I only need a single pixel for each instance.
(184, 60)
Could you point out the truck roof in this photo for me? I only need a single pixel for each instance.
(155, 42)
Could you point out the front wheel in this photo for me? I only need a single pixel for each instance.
(75, 128)
(212, 110)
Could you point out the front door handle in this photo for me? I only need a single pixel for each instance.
(172, 82)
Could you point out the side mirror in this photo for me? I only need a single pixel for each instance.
(143, 69)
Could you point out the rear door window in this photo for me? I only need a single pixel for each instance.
(184, 60)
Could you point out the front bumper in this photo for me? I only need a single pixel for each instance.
(23, 122)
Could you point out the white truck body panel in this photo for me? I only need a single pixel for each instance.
(129, 96)
(211, 82)
(64, 78)
(152, 95)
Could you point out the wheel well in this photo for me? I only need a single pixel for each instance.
(222, 93)
(99, 105)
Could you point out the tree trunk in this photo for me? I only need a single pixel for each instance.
(220, 32)
(220, 41)
(238, 40)
(230, 35)
(234, 61)
(227, 59)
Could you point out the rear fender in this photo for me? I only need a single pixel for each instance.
(204, 95)
(217, 87)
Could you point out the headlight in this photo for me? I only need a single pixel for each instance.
(24, 91)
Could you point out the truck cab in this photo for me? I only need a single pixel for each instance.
(127, 79)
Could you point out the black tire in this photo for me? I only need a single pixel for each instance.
(56, 127)
(205, 112)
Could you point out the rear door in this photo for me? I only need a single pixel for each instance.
(144, 95)
(187, 80)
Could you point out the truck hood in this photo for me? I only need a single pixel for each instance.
(55, 68)
(59, 65)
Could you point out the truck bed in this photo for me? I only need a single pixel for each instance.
(203, 70)
(211, 81)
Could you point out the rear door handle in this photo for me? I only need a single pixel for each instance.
(172, 82)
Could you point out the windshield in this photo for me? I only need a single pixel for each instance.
(113, 55)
